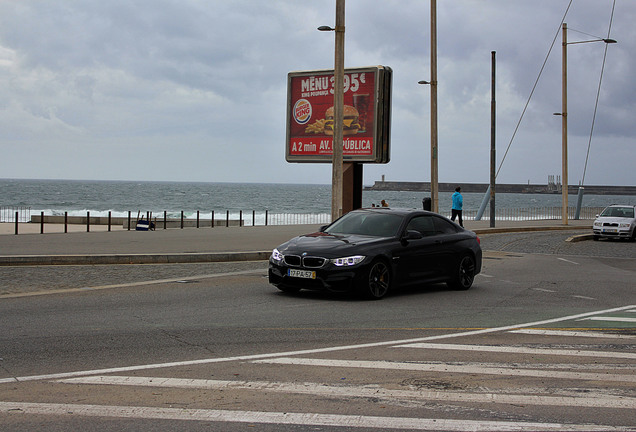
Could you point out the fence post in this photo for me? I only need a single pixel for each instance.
(109, 220)
(212, 226)
(165, 216)
(88, 221)
(16, 223)
(41, 222)
(128, 220)
(181, 219)
(65, 222)
(253, 217)
(241, 218)
(197, 218)
(227, 218)
(266, 214)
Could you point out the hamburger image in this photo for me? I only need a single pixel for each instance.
(351, 121)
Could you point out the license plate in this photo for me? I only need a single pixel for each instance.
(610, 230)
(305, 274)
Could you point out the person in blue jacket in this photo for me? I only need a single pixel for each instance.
(458, 204)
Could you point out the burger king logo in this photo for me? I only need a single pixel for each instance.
(302, 111)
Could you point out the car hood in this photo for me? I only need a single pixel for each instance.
(327, 245)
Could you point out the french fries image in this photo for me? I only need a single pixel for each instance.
(316, 127)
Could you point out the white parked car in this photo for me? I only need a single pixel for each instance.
(616, 221)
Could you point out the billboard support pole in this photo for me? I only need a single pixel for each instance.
(338, 96)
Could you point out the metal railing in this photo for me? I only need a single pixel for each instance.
(10, 213)
(228, 218)
(531, 213)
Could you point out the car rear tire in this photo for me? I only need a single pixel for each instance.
(464, 274)
(378, 280)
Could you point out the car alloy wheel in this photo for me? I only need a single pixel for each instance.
(464, 274)
(378, 281)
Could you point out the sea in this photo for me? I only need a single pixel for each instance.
(77, 197)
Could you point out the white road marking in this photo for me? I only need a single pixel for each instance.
(521, 350)
(450, 368)
(308, 351)
(611, 319)
(367, 391)
(544, 290)
(584, 297)
(573, 333)
(290, 418)
(133, 284)
(568, 261)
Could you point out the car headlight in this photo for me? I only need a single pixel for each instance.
(348, 261)
(277, 256)
(625, 225)
(598, 223)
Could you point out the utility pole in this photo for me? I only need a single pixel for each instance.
(493, 150)
(434, 164)
(564, 129)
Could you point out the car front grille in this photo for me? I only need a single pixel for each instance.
(610, 224)
(307, 261)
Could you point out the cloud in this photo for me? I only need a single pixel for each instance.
(196, 90)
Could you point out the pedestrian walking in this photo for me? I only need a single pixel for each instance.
(458, 204)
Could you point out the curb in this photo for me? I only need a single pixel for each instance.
(483, 231)
(182, 258)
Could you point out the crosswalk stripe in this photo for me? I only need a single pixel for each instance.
(450, 368)
(520, 350)
(348, 391)
(611, 319)
(314, 419)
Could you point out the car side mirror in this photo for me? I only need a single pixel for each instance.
(412, 235)
(322, 228)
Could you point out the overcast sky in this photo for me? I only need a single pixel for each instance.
(195, 90)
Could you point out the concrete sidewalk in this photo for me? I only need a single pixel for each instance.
(187, 245)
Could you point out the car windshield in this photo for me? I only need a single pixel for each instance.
(624, 212)
(367, 223)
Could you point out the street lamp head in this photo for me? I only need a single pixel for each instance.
(326, 28)
(608, 41)
(423, 82)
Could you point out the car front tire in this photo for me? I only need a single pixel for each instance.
(464, 274)
(378, 280)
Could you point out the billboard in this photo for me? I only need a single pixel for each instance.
(367, 113)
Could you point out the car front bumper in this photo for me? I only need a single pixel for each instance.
(331, 279)
(612, 232)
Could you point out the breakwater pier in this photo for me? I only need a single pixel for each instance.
(550, 188)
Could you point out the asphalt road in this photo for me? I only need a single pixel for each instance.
(214, 347)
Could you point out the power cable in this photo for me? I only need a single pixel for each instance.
(533, 88)
(598, 93)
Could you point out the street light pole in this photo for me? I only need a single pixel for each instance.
(564, 118)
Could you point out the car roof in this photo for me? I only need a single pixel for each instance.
(396, 211)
